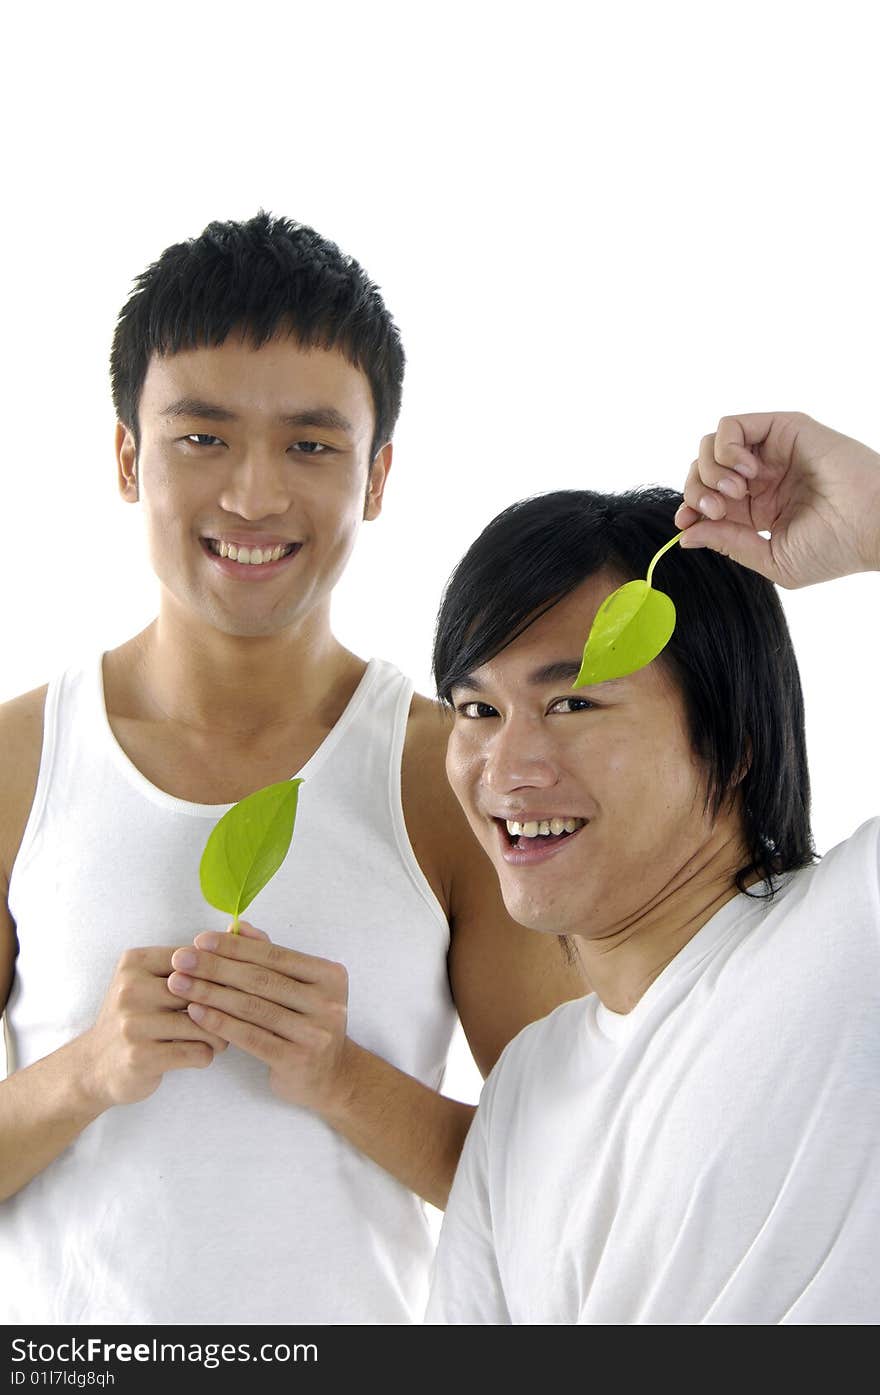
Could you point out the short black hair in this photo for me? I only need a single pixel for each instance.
(730, 655)
(265, 276)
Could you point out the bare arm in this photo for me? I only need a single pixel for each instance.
(140, 1032)
(410, 1130)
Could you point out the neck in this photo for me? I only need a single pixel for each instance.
(235, 685)
(624, 962)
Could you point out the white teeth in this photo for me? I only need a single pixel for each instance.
(542, 829)
(249, 556)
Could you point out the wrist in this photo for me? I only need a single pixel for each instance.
(88, 1098)
(338, 1103)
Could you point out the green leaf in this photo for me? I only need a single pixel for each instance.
(247, 846)
(631, 627)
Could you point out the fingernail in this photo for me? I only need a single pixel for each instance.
(708, 506)
(729, 488)
(208, 940)
(196, 1011)
(184, 959)
(744, 468)
(180, 983)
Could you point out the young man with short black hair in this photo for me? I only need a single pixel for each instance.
(150, 1175)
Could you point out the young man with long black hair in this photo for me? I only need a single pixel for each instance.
(698, 1140)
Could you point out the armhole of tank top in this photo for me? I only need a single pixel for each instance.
(44, 779)
(874, 825)
(395, 802)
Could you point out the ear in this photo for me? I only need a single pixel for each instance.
(126, 464)
(376, 482)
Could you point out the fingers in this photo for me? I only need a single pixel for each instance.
(729, 444)
(154, 959)
(239, 988)
(238, 949)
(175, 1026)
(735, 540)
(251, 931)
(182, 1055)
(258, 1039)
(717, 485)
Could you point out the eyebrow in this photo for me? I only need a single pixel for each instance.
(562, 671)
(327, 417)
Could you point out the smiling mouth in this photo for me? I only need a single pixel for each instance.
(534, 835)
(250, 561)
(249, 556)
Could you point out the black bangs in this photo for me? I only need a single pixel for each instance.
(730, 655)
(260, 278)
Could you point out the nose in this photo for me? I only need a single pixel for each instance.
(518, 757)
(257, 486)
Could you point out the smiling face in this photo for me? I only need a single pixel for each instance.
(254, 475)
(614, 760)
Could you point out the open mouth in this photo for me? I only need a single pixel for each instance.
(536, 834)
(251, 558)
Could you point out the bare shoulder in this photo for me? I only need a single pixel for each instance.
(437, 828)
(427, 731)
(21, 744)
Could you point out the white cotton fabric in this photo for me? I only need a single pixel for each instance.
(213, 1201)
(712, 1156)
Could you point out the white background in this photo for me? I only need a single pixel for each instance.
(599, 228)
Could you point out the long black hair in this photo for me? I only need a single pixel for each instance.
(730, 655)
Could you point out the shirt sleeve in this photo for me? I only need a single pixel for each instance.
(466, 1286)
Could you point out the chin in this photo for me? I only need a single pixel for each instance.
(547, 916)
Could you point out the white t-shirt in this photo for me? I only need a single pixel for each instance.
(712, 1156)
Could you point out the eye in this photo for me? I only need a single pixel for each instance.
(475, 709)
(569, 704)
(312, 447)
(201, 438)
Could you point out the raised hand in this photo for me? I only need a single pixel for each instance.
(141, 1032)
(815, 491)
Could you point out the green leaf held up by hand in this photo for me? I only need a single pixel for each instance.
(631, 627)
(247, 846)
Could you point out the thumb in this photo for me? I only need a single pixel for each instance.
(734, 540)
(250, 931)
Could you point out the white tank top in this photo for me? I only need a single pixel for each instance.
(212, 1201)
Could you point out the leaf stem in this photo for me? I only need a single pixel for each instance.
(656, 559)
(235, 923)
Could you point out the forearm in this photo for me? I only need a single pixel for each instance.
(43, 1109)
(410, 1130)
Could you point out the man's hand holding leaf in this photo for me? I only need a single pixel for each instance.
(815, 491)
